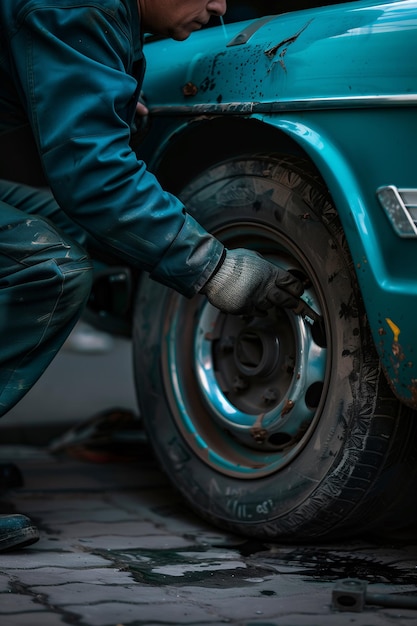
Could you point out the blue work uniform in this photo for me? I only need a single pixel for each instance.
(70, 75)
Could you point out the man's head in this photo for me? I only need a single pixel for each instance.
(177, 19)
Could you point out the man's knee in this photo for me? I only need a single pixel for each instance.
(77, 275)
(36, 254)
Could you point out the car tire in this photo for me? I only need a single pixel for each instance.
(279, 428)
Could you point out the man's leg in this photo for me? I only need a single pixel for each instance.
(45, 280)
(40, 202)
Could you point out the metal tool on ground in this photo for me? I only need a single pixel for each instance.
(350, 594)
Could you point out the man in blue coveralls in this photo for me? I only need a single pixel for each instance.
(70, 77)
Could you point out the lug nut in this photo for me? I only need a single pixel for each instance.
(269, 396)
(227, 344)
(240, 384)
(259, 435)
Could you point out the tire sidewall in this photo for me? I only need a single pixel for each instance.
(307, 494)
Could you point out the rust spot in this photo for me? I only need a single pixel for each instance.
(289, 405)
(257, 432)
(189, 90)
(397, 351)
(397, 359)
(381, 331)
(413, 390)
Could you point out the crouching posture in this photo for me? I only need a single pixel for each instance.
(70, 79)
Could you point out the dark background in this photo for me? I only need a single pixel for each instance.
(246, 9)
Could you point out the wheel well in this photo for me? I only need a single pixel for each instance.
(210, 141)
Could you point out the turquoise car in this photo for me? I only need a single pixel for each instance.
(294, 135)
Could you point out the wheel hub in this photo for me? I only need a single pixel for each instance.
(256, 374)
(246, 391)
(257, 351)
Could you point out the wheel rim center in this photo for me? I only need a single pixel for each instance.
(256, 352)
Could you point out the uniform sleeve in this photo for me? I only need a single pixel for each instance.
(72, 69)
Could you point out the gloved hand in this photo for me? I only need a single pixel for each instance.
(248, 284)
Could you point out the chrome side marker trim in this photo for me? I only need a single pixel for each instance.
(400, 206)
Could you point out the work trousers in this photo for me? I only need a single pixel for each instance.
(45, 281)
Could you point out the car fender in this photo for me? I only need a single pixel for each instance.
(341, 82)
(387, 284)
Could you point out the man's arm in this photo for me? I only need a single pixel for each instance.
(73, 68)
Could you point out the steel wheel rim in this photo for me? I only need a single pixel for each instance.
(282, 361)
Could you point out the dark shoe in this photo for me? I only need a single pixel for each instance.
(16, 531)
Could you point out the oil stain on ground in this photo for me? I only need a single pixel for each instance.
(327, 565)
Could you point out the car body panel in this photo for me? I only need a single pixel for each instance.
(341, 83)
(352, 51)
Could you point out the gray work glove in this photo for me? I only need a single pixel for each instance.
(248, 284)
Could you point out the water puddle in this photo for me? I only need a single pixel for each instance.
(189, 566)
(248, 563)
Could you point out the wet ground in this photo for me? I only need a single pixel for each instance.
(118, 547)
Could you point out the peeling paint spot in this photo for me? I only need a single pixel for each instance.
(283, 45)
(395, 330)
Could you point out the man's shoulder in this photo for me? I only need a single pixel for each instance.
(18, 9)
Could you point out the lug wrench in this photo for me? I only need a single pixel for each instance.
(307, 312)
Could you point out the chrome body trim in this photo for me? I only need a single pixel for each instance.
(279, 106)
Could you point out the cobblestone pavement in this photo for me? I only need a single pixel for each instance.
(118, 547)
